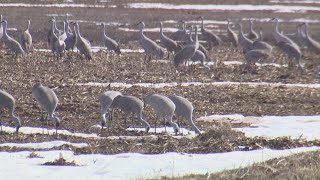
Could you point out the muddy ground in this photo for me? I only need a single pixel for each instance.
(79, 108)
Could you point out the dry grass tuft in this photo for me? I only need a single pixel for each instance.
(34, 154)
(61, 161)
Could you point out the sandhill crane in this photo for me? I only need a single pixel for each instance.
(11, 43)
(256, 55)
(201, 47)
(55, 29)
(278, 36)
(63, 36)
(169, 44)
(260, 44)
(106, 100)
(1, 27)
(292, 52)
(57, 44)
(252, 34)
(149, 46)
(244, 42)
(211, 38)
(184, 110)
(111, 44)
(26, 39)
(312, 44)
(162, 106)
(130, 104)
(47, 100)
(181, 33)
(82, 44)
(298, 36)
(71, 38)
(232, 36)
(187, 52)
(7, 101)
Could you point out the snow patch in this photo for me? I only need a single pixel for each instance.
(43, 145)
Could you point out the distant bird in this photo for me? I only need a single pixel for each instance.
(252, 34)
(256, 55)
(11, 43)
(312, 44)
(7, 101)
(71, 38)
(187, 52)
(199, 55)
(260, 44)
(1, 27)
(130, 104)
(298, 36)
(211, 38)
(181, 33)
(54, 28)
(63, 36)
(232, 36)
(106, 100)
(184, 110)
(201, 47)
(278, 36)
(164, 107)
(244, 42)
(57, 45)
(47, 101)
(111, 44)
(149, 46)
(169, 44)
(26, 39)
(82, 44)
(292, 52)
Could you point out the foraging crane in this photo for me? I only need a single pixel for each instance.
(232, 36)
(211, 38)
(7, 101)
(187, 52)
(164, 107)
(180, 34)
(106, 100)
(130, 104)
(149, 46)
(82, 44)
(26, 39)
(48, 101)
(312, 44)
(11, 43)
(184, 110)
(260, 44)
(111, 44)
(252, 34)
(169, 44)
(244, 42)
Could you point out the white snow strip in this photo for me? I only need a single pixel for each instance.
(98, 48)
(217, 7)
(51, 5)
(295, 2)
(35, 130)
(174, 84)
(43, 145)
(157, 29)
(131, 165)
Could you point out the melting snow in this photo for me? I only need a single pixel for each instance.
(131, 165)
(51, 5)
(297, 2)
(43, 145)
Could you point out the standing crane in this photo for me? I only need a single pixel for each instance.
(312, 44)
(71, 38)
(106, 100)
(26, 39)
(232, 36)
(244, 42)
(57, 44)
(260, 44)
(180, 34)
(11, 43)
(211, 38)
(252, 34)
(82, 44)
(111, 44)
(8, 101)
(169, 44)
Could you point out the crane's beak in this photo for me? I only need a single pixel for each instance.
(272, 19)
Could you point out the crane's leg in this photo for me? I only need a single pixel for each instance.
(125, 122)
(133, 122)
(155, 124)
(165, 124)
(1, 122)
(47, 123)
(42, 119)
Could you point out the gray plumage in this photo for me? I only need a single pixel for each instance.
(291, 51)
(164, 107)
(47, 100)
(130, 104)
(256, 55)
(244, 42)
(280, 37)
(312, 44)
(211, 38)
(252, 34)
(232, 36)
(54, 28)
(181, 33)
(184, 110)
(260, 44)
(7, 101)
(111, 44)
(71, 38)
(63, 36)
(82, 44)
(106, 100)
(201, 47)
(187, 52)
(169, 44)
(149, 46)
(56, 43)
(26, 39)
(298, 37)
(11, 43)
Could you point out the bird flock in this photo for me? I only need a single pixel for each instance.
(182, 46)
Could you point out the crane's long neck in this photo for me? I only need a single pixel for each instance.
(28, 28)
(65, 27)
(141, 31)
(202, 25)
(5, 29)
(306, 31)
(228, 26)
(241, 31)
(251, 26)
(190, 36)
(161, 31)
(77, 30)
(55, 26)
(260, 35)
(276, 27)
(104, 30)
